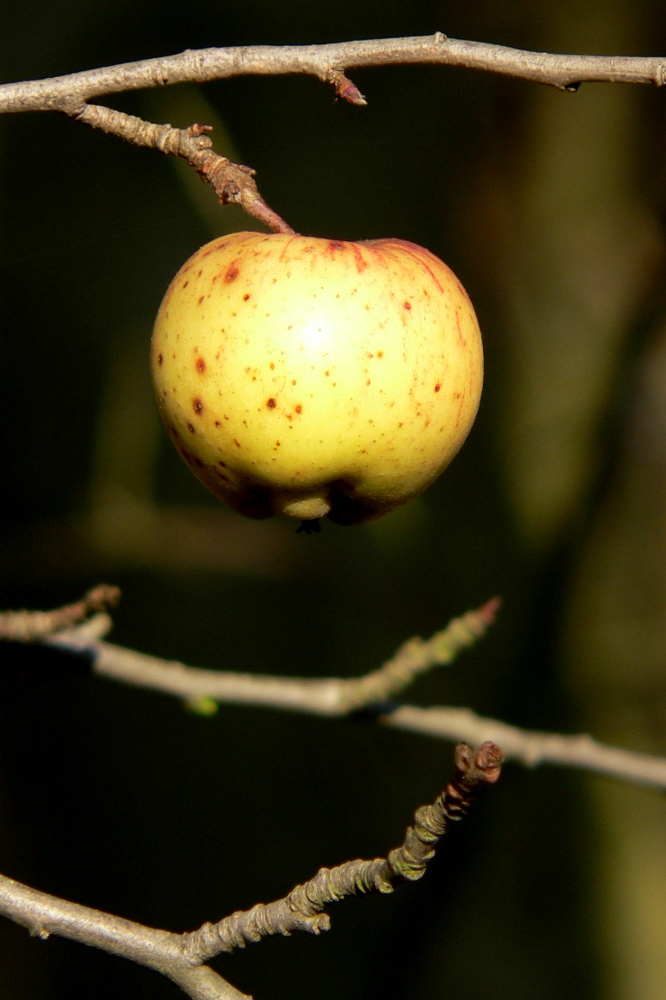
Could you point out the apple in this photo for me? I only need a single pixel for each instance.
(312, 377)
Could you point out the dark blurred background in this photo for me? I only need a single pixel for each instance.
(550, 208)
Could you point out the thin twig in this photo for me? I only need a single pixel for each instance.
(327, 62)
(233, 183)
(532, 747)
(31, 626)
(334, 696)
(302, 909)
(330, 696)
(416, 657)
(180, 957)
(325, 696)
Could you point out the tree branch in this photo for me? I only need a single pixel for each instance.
(30, 626)
(180, 957)
(162, 951)
(233, 183)
(327, 63)
(302, 909)
(333, 696)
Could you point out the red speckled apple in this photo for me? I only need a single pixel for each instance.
(312, 377)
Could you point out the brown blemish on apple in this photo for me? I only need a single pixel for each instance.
(246, 297)
(217, 423)
(439, 386)
(298, 408)
(407, 305)
(237, 443)
(190, 428)
(232, 272)
(334, 245)
(220, 462)
(272, 366)
(200, 365)
(197, 406)
(380, 354)
(160, 359)
(271, 404)
(186, 283)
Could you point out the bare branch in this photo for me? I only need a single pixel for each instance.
(416, 657)
(332, 696)
(233, 183)
(30, 626)
(163, 951)
(302, 909)
(565, 72)
(531, 747)
(325, 696)
(180, 957)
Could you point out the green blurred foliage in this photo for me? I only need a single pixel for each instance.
(549, 207)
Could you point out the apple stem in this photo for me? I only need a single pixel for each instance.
(233, 183)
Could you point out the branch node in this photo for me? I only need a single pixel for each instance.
(196, 129)
(345, 89)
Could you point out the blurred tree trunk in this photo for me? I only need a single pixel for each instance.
(581, 249)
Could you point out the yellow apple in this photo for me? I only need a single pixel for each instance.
(313, 377)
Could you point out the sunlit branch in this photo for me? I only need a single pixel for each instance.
(328, 63)
(333, 696)
(180, 957)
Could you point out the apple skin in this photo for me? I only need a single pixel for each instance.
(312, 377)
